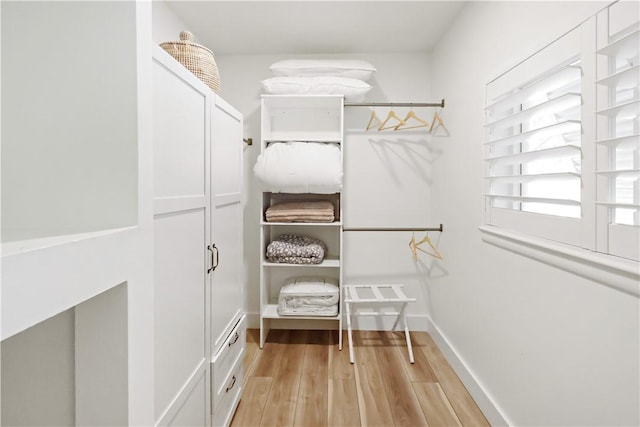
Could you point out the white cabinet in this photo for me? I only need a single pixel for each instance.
(226, 202)
(299, 118)
(227, 286)
(181, 145)
(197, 247)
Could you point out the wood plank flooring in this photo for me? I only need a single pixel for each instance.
(300, 378)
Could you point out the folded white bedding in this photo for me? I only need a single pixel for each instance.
(300, 167)
(311, 296)
(288, 310)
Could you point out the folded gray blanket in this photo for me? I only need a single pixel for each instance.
(294, 249)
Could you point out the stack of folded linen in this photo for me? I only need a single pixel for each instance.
(294, 249)
(320, 211)
(309, 296)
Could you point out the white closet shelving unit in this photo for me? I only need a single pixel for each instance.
(316, 118)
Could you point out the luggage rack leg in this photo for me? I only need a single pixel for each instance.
(349, 331)
(403, 314)
(351, 297)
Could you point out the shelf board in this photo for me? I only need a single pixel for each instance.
(328, 140)
(329, 262)
(302, 101)
(270, 311)
(306, 224)
(324, 136)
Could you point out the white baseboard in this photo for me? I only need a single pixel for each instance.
(485, 402)
(253, 320)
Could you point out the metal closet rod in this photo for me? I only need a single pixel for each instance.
(441, 228)
(395, 104)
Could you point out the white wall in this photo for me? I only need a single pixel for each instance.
(549, 347)
(77, 154)
(166, 24)
(38, 374)
(69, 164)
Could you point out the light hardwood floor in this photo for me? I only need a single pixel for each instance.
(300, 378)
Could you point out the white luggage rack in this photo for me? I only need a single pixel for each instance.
(376, 295)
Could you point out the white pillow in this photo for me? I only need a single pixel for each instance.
(352, 89)
(352, 68)
(300, 167)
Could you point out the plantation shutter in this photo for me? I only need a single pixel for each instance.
(535, 139)
(618, 140)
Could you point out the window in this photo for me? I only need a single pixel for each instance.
(535, 159)
(562, 146)
(536, 136)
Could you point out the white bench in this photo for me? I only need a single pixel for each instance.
(377, 295)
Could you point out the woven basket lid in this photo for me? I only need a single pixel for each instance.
(186, 37)
(196, 58)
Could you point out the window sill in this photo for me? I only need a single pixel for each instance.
(617, 273)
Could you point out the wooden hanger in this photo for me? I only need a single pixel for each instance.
(428, 241)
(412, 115)
(436, 118)
(413, 247)
(374, 120)
(391, 115)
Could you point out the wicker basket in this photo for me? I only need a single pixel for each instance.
(196, 58)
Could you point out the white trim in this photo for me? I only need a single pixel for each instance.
(44, 277)
(485, 402)
(618, 273)
(184, 394)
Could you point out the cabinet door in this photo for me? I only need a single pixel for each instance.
(181, 106)
(227, 284)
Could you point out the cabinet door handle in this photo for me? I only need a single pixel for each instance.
(230, 386)
(210, 269)
(217, 257)
(235, 338)
(214, 257)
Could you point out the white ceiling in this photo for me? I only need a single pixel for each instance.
(316, 27)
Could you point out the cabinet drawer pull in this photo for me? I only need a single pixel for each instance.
(230, 386)
(234, 340)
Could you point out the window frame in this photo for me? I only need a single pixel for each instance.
(578, 42)
(590, 246)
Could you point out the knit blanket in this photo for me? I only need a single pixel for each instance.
(294, 249)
